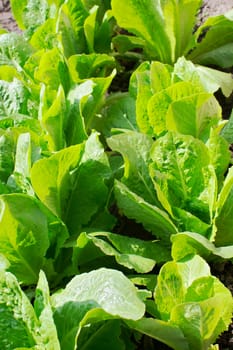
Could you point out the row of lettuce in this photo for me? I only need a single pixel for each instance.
(77, 159)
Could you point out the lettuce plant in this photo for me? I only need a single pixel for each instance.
(166, 31)
(110, 202)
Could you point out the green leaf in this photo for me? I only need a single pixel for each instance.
(52, 70)
(76, 98)
(19, 180)
(208, 51)
(203, 321)
(140, 88)
(71, 18)
(182, 175)
(89, 28)
(14, 50)
(188, 243)
(93, 106)
(130, 252)
(45, 37)
(8, 73)
(224, 218)
(208, 78)
(30, 14)
(24, 235)
(159, 103)
(72, 182)
(53, 117)
(146, 21)
(72, 312)
(194, 115)
(193, 300)
(51, 177)
(104, 29)
(14, 98)
(89, 66)
(134, 207)
(161, 76)
(6, 156)
(162, 331)
(28, 233)
(102, 336)
(135, 149)
(44, 313)
(226, 132)
(169, 289)
(118, 113)
(180, 18)
(219, 154)
(18, 321)
(93, 297)
(90, 191)
(106, 288)
(124, 43)
(186, 221)
(173, 281)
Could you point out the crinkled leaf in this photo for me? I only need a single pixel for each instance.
(13, 98)
(30, 14)
(19, 325)
(182, 175)
(14, 49)
(90, 301)
(105, 288)
(19, 180)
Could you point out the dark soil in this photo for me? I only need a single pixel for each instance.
(223, 271)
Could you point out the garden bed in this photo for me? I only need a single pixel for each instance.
(115, 176)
